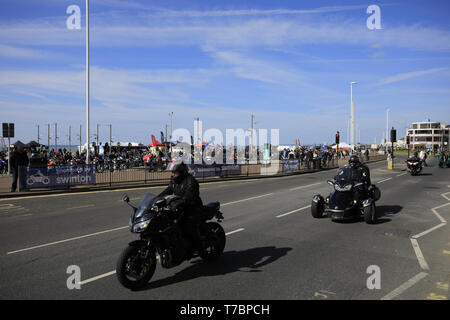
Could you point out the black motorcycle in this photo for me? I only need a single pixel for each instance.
(99, 165)
(414, 166)
(163, 239)
(344, 203)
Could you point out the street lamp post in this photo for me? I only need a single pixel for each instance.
(352, 116)
(70, 140)
(171, 130)
(387, 128)
(56, 137)
(87, 81)
(48, 138)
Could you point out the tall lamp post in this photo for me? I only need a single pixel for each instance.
(352, 116)
(171, 130)
(387, 128)
(87, 81)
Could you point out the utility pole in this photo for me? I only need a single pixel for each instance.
(348, 131)
(251, 141)
(165, 136)
(48, 137)
(387, 128)
(110, 138)
(70, 140)
(199, 140)
(56, 137)
(171, 130)
(97, 133)
(38, 134)
(87, 81)
(352, 117)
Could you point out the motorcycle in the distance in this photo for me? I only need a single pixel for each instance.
(162, 239)
(414, 166)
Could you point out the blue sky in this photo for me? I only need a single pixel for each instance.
(290, 63)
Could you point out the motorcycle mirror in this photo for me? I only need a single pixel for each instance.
(160, 202)
(330, 182)
(125, 198)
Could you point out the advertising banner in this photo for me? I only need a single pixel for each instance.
(57, 178)
(290, 165)
(214, 170)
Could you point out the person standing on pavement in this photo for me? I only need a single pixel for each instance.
(19, 159)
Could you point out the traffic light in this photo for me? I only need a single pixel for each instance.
(407, 140)
(393, 135)
(337, 137)
(8, 130)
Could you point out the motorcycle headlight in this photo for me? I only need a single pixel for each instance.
(141, 226)
(347, 187)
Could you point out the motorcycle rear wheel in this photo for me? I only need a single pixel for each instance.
(214, 242)
(136, 266)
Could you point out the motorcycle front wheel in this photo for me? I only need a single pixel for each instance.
(136, 266)
(370, 214)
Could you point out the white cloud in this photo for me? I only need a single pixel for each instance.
(409, 75)
(110, 30)
(7, 51)
(253, 12)
(257, 69)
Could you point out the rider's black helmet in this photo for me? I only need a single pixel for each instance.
(354, 161)
(179, 171)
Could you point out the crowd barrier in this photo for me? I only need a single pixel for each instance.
(76, 176)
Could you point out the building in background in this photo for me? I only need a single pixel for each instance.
(429, 135)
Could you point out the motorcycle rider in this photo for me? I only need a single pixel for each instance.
(361, 173)
(185, 186)
(414, 158)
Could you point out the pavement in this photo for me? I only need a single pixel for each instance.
(275, 249)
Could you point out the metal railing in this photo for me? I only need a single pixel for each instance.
(66, 177)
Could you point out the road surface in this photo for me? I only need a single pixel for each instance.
(275, 249)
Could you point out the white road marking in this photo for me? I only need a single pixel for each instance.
(67, 240)
(115, 229)
(303, 187)
(408, 284)
(113, 190)
(422, 262)
(98, 277)
(443, 221)
(77, 193)
(232, 202)
(80, 207)
(444, 195)
(104, 275)
(428, 231)
(415, 243)
(293, 211)
(237, 230)
(402, 174)
(384, 180)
